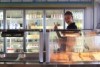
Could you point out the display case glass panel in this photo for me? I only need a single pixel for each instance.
(32, 42)
(54, 17)
(14, 19)
(79, 47)
(14, 44)
(34, 19)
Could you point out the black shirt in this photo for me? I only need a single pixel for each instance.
(71, 26)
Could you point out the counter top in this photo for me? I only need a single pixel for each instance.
(48, 65)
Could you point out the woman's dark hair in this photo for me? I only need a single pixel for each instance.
(68, 13)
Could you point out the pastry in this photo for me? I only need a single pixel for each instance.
(96, 56)
(85, 56)
(75, 57)
(59, 57)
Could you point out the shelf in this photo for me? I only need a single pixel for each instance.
(36, 27)
(14, 18)
(34, 19)
(54, 18)
(52, 27)
(32, 37)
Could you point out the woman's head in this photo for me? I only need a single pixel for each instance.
(68, 17)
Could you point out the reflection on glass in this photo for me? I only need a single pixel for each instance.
(1, 43)
(14, 19)
(63, 43)
(1, 19)
(14, 44)
(78, 15)
(54, 17)
(2, 55)
(34, 19)
(85, 48)
(32, 42)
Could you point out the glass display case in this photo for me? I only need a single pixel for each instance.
(74, 47)
(14, 44)
(23, 49)
(32, 42)
(14, 19)
(54, 17)
(34, 19)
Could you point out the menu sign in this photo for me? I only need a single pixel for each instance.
(12, 33)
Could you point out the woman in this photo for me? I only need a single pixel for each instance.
(68, 17)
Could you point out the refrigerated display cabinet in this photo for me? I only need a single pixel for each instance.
(39, 19)
(25, 49)
(32, 42)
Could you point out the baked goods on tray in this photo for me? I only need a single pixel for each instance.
(85, 56)
(75, 57)
(59, 57)
(96, 56)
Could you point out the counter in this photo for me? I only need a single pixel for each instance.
(48, 65)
